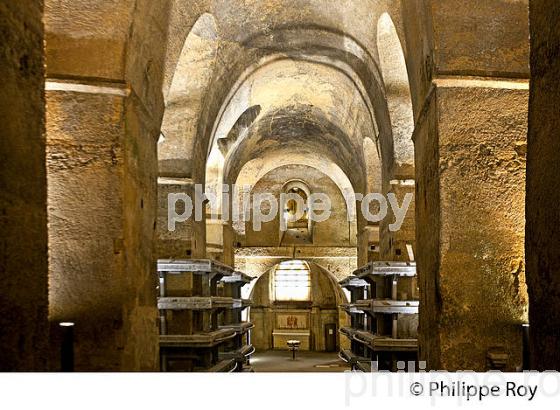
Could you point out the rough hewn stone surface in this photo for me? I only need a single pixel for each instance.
(103, 175)
(481, 37)
(92, 42)
(459, 141)
(188, 239)
(393, 246)
(543, 186)
(23, 227)
(101, 204)
(464, 37)
(470, 217)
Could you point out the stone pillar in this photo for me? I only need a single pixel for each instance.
(23, 213)
(368, 245)
(394, 244)
(102, 169)
(543, 186)
(470, 144)
(188, 240)
(229, 244)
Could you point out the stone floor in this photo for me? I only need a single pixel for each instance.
(281, 361)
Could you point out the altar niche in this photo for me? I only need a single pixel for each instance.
(296, 300)
(296, 227)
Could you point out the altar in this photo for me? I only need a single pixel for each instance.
(282, 336)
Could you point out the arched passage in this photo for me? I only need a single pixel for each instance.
(296, 299)
(184, 103)
(185, 96)
(397, 89)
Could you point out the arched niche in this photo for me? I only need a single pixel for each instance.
(296, 226)
(335, 231)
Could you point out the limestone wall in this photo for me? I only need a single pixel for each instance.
(393, 246)
(467, 63)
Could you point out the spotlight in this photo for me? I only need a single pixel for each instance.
(67, 346)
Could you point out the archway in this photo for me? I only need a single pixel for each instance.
(397, 91)
(184, 96)
(297, 299)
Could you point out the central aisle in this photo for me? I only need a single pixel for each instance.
(281, 361)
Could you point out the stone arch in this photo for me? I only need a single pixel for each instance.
(302, 129)
(335, 49)
(239, 128)
(337, 230)
(214, 176)
(340, 295)
(185, 95)
(397, 89)
(321, 117)
(326, 298)
(184, 99)
(255, 169)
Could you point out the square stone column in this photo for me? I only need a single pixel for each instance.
(368, 245)
(102, 168)
(395, 245)
(470, 143)
(543, 186)
(23, 189)
(188, 240)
